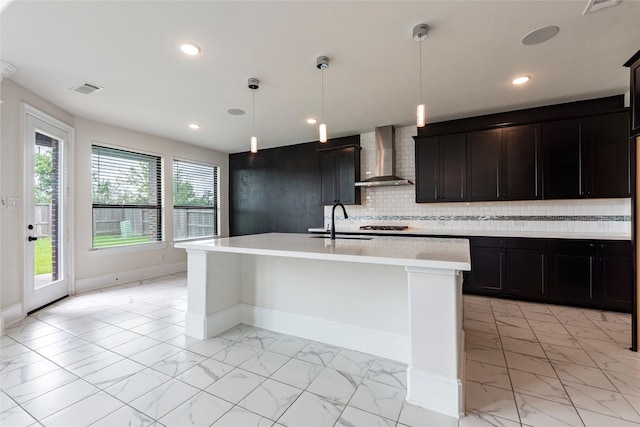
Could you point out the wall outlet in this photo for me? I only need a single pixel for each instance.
(3, 202)
(12, 202)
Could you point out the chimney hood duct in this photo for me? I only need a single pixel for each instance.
(385, 161)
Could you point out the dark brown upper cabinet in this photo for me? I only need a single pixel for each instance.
(441, 168)
(587, 158)
(339, 169)
(504, 164)
(634, 68)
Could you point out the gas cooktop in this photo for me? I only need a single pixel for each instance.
(384, 227)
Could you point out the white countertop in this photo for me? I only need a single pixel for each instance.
(472, 233)
(450, 254)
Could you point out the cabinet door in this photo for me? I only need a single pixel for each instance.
(427, 169)
(616, 276)
(608, 167)
(328, 176)
(521, 163)
(573, 276)
(486, 270)
(524, 273)
(634, 68)
(453, 170)
(484, 152)
(562, 160)
(347, 160)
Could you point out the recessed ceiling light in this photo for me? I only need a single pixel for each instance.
(520, 80)
(189, 49)
(194, 125)
(312, 120)
(235, 111)
(540, 35)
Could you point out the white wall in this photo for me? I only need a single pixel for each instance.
(91, 270)
(397, 206)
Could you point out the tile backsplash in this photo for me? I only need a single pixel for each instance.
(397, 206)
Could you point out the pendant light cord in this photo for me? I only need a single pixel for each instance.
(420, 67)
(322, 85)
(253, 107)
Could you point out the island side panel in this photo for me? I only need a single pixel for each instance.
(436, 369)
(213, 292)
(355, 305)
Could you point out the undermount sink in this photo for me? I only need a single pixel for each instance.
(322, 236)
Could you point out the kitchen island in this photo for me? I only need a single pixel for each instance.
(393, 297)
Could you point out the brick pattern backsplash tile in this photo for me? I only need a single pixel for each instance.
(397, 206)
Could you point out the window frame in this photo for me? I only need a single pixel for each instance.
(216, 203)
(158, 207)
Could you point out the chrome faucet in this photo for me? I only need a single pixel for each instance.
(333, 218)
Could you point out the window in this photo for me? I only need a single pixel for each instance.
(195, 200)
(127, 197)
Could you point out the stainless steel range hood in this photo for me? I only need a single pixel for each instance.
(384, 173)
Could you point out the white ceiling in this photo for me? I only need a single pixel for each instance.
(472, 53)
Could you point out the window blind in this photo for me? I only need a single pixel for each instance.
(127, 197)
(195, 200)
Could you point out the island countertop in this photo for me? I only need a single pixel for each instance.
(387, 250)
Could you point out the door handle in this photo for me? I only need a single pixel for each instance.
(31, 238)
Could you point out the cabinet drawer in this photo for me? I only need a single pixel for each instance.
(509, 242)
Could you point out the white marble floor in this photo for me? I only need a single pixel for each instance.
(118, 357)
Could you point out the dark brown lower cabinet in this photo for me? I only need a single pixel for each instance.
(508, 267)
(583, 273)
(596, 274)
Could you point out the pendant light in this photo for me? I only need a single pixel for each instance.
(322, 63)
(253, 84)
(420, 33)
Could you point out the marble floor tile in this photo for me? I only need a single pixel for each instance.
(578, 374)
(318, 353)
(548, 327)
(94, 363)
(491, 356)
(125, 416)
(516, 332)
(135, 346)
(200, 410)
(238, 332)
(606, 402)
(388, 372)
(625, 383)
(474, 325)
(211, 346)
(297, 373)
(116, 340)
(485, 373)
(155, 354)
(270, 399)
(137, 384)
(351, 417)
(19, 361)
(205, 373)
(163, 399)
(40, 385)
(546, 317)
(167, 333)
(353, 362)
(15, 349)
(482, 339)
(539, 386)
(178, 363)
(287, 345)
(265, 363)
(84, 412)
(540, 412)
(530, 364)
(379, 399)
(16, 417)
(491, 400)
(529, 348)
(260, 339)
(480, 308)
(47, 340)
(236, 385)
(569, 355)
(311, 410)
(114, 373)
(561, 340)
(585, 332)
(335, 385)
(595, 419)
(183, 341)
(59, 398)
(236, 354)
(481, 419)
(238, 416)
(515, 321)
(27, 373)
(479, 316)
(415, 416)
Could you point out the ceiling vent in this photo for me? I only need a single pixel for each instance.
(87, 88)
(596, 5)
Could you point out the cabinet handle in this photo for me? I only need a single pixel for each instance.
(590, 277)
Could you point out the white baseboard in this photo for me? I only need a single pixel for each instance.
(435, 392)
(99, 282)
(10, 315)
(379, 343)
